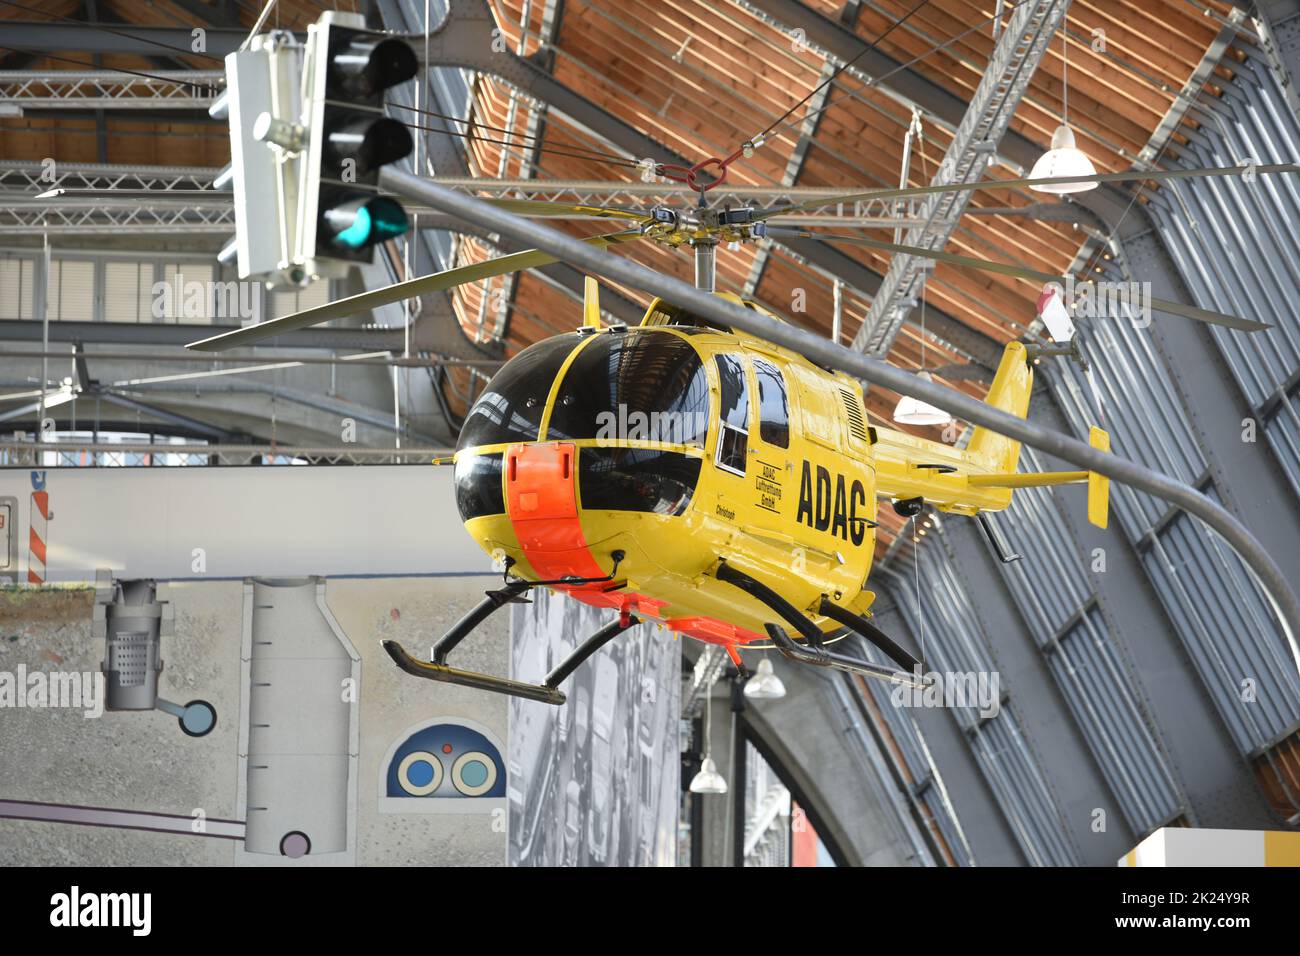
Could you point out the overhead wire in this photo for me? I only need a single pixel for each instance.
(103, 28)
(876, 81)
(844, 66)
(593, 155)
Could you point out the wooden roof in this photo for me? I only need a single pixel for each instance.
(702, 76)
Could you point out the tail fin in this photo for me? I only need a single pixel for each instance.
(1010, 393)
(983, 476)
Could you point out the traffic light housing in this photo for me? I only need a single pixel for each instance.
(261, 91)
(348, 140)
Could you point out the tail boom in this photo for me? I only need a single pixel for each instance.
(982, 476)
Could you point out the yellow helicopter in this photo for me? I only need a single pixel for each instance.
(709, 482)
(697, 477)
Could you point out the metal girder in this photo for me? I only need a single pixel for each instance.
(794, 166)
(534, 129)
(841, 42)
(37, 177)
(106, 89)
(191, 425)
(24, 215)
(225, 13)
(366, 414)
(1012, 64)
(70, 453)
(1191, 89)
(464, 39)
(122, 333)
(42, 37)
(982, 349)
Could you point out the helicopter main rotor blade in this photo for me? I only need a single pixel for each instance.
(1018, 272)
(375, 298)
(546, 209)
(991, 185)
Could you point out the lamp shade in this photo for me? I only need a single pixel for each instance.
(764, 685)
(913, 411)
(1063, 159)
(708, 780)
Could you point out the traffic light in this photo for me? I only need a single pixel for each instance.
(261, 84)
(348, 140)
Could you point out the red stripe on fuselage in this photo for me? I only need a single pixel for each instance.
(542, 502)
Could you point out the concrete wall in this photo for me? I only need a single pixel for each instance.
(142, 761)
(280, 521)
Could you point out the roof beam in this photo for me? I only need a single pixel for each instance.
(149, 333)
(1013, 62)
(1106, 202)
(464, 39)
(48, 37)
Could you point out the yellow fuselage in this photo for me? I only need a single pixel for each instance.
(795, 509)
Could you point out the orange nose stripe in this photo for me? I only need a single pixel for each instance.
(542, 502)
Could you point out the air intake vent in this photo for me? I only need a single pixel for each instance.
(857, 420)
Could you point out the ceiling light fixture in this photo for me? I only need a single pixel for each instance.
(764, 685)
(913, 411)
(708, 780)
(1064, 158)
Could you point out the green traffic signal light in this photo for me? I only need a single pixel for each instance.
(362, 223)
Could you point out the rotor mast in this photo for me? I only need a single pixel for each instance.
(706, 262)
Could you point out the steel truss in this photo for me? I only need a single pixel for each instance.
(106, 89)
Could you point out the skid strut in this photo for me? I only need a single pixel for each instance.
(547, 692)
(821, 657)
(875, 635)
(813, 651)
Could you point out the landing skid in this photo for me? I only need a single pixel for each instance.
(813, 650)
(821, 657)
(547, 692)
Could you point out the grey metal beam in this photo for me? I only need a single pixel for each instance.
(794, 166)
(375, 417)
(1012, 63)
(115, 333)
(224, 13)
(46, 37)
(191, 425)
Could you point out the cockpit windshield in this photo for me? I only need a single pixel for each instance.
(643, 384)
(510, 409)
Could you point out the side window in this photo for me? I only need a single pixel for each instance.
(733, 429)
(773, 405)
